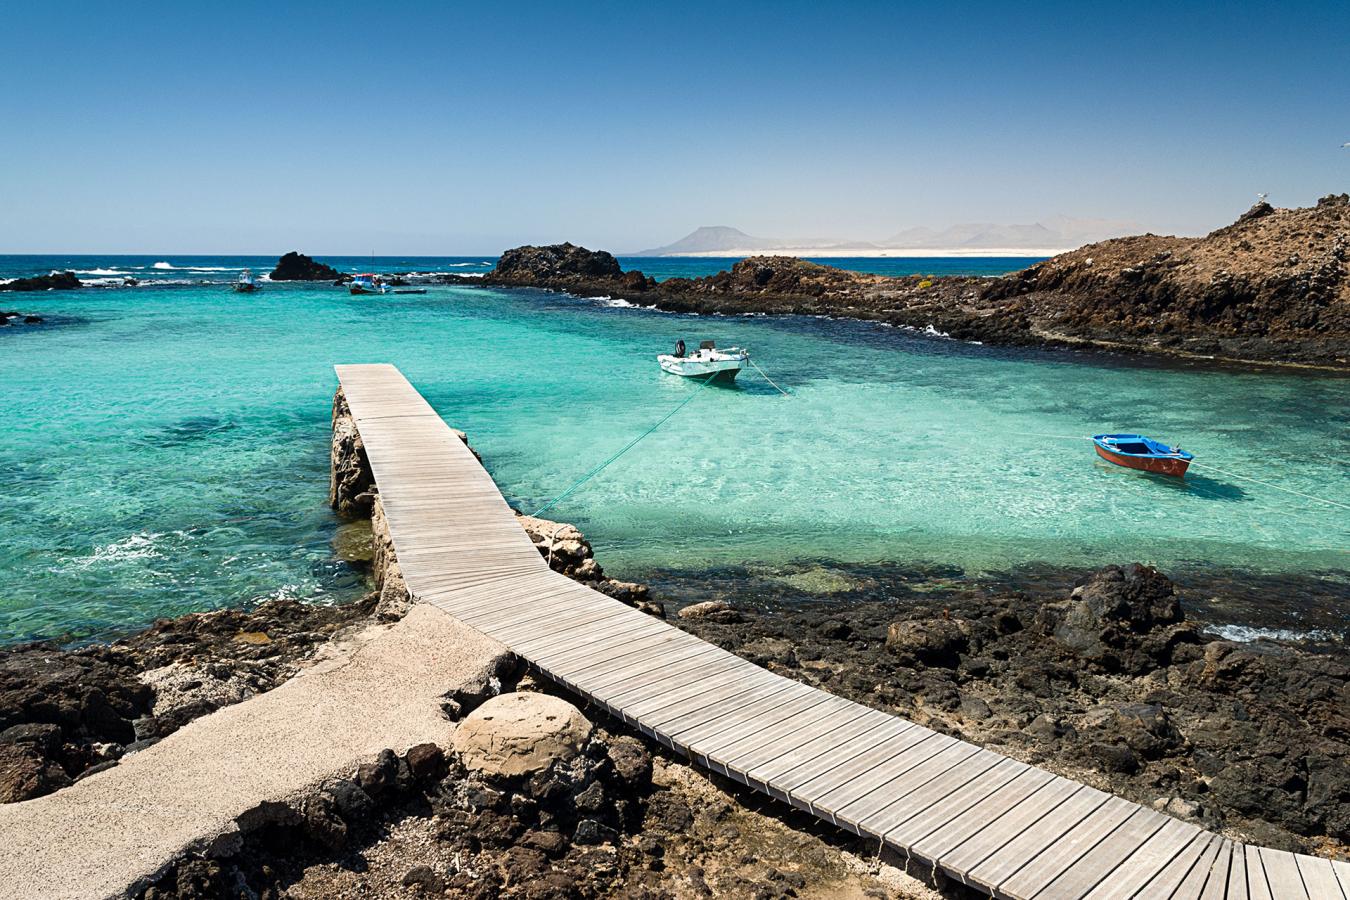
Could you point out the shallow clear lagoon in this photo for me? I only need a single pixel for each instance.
(167, 450)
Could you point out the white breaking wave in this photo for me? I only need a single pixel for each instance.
(137, 546)
(163, 265)
(100, 272)
(1245, 634)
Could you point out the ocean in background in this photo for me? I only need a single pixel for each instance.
(166, 448)
(158, 270)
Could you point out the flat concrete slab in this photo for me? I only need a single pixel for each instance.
(103, 835)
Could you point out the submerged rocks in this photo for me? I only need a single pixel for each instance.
(18, 318)
(521, 734)
(56, 281)
(299, 267)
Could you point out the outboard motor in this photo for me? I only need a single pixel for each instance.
(679, 348)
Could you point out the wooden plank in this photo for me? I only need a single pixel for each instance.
(950, 822)
(840, 781)
(799, 780)
(767, 695)
(1036, 856)
(1342, 870)
(1319, 878)
(1098, 857)
(1161, 862)
(1001, 832)
(624, 674)
(731, 737)
(1214, 883)
(790, 736)
(617, 681)
(790, 732)
(913, 803)
(1257, 886)
(1237, 873)
(1283, 879)
(896, 780)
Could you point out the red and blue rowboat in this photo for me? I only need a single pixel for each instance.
(1134, 451)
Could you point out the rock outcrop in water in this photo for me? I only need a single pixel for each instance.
(1271, 287)
(565, 267)
(18, 318)
(299, 267)
(56, 281)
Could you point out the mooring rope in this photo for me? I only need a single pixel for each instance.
(629, 446)
(767, 378)
(1275, 486)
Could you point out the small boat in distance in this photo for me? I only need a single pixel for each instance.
(707, 363)
(247, 284)
(368, 283)
(1134, 451)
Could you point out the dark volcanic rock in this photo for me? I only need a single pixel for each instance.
(299, 267)
(1110, 684)
(542, 265)
(56, 281)
(1110, 617)
(56, 708)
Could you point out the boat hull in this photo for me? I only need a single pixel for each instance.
(1173, 466)
(720, 371)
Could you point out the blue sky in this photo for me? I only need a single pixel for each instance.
(445, 128)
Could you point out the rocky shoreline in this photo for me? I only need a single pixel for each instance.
(1109, 682)
(1273, 287)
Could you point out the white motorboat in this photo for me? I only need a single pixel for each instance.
(247, 284)
(368, 283)
(705, 363)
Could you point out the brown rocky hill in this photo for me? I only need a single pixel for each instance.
(1271, 286)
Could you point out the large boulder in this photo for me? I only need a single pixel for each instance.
(56, 281)
(299, 267)
(935, 642)
(520, 734)
(1117, 615)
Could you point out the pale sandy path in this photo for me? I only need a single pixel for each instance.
(102, 835)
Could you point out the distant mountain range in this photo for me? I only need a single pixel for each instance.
(1052, 235)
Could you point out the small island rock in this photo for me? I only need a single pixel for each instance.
(56, 281)
(299, 267)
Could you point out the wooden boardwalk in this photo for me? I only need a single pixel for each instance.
(997, 824)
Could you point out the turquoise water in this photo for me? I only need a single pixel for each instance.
(167, 449)
(107, 271)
